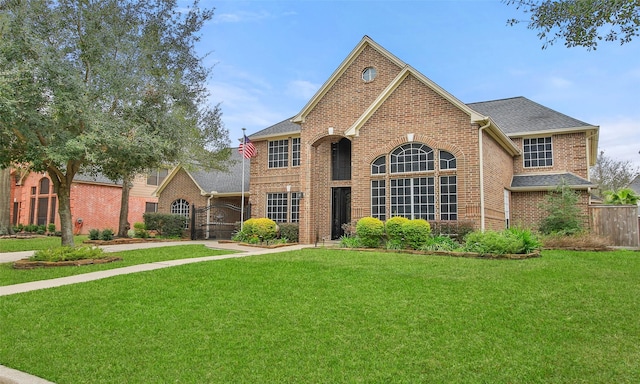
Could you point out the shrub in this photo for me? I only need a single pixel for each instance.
(30, 228)
(290, 231)
(416, 233)
(107, 234)
(263, 229)
(393, 228)
(563, 214)
(41, 229)
(370, 231)
(167, 225)
(140, 231)
(509, 241)
(94, 234)
(67, 254)
(441, 243)
(51, 228)
(350, 242)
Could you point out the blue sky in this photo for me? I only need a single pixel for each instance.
(270, 57)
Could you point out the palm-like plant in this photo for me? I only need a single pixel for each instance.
(624, 196)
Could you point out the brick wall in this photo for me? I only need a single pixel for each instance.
(569, 155)
(527, 208)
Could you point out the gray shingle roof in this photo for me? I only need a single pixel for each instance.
(225, 181)
(99, 178)
(282, 128)
(546, 181)
(521, 115)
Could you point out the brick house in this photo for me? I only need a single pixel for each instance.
(95, 201)
(214, 197)
(381, 139)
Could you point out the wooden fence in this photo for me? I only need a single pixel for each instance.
(618, 223)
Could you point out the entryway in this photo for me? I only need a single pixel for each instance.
(340, 210)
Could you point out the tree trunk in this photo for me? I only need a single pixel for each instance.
(5, 202)
(123, 224)
(62, 184)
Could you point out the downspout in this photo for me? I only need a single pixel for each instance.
(481, 165)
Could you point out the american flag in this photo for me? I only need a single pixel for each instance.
(247, 149)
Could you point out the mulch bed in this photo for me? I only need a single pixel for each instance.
(471, 255)
(28, 264)
(129, 240)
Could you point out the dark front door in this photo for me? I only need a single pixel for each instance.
(340, 211)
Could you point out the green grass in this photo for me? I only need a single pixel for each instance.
(34, 243)
(9, 276)
(331, 316)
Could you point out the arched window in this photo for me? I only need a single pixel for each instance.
(181, 207)
(44, 186)
(42, 209)
(415, 196)
(447, 160)
(414, 157)
(379, 166)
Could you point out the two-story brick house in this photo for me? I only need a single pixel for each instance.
(381, 139)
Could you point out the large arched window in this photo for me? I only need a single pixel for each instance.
(430, 194)
(181, 207)
(42, 210)
(414, 157)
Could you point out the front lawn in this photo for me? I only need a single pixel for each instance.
(35, 243)
(9, 275)
(333, 316)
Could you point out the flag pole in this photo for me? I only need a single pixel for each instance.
(244, 148)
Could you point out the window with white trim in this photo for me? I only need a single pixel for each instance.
(279, 153)
(379, 199)
(415, 197)
(448, 198)
(181, 207)
(537, 152)
(280, 204)
(295, 152)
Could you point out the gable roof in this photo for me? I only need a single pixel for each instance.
(216, 182)
(549, 181)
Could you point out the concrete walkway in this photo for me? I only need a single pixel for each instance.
(12, 376)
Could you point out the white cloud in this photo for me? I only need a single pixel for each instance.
(301, 89)
(247, 16)
(620, 138)
(559, 82)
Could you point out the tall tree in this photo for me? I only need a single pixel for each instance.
(80, 73)
(611, 174)
(581, 22)
(5, 202)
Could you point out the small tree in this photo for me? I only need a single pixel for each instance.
(621, 197)
(563, 214)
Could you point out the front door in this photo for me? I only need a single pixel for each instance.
(340, 211)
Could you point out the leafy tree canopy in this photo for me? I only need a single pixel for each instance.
(611, 174)
(581, 22)
(97, 85)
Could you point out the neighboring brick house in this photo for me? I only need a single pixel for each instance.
(95, 201)
(214, 196)
(381, 139)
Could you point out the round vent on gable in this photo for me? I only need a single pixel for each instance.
(368, 74)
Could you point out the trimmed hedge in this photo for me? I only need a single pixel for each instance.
(168, 225)
(416, 233)
(370, 230)
(393, 228)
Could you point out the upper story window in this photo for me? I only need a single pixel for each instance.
(538, 152)
(295, 152)
(379, 166)
(414, 157)
(369, 74)
(447, 160)
(341, 160)
(157, 176)
(279, 153)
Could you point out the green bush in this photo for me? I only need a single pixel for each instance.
(140, 231)
(167, 225)
(509, 241)
(350, 242)
(370, 231)
(393, 228)
(51, 228)
(94, 234)
(263, 229)
(107, 234)
(67, 254)
(416, 233)
(290, 231)
(31, 228)
(563, 214)
(441, 243)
